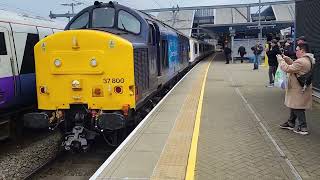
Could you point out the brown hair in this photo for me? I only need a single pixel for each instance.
(304, 46)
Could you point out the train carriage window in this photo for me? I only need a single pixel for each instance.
(128, 22)
(28, 55)
(103, 17)
(164, 52)
(81, 22)
(3, 47)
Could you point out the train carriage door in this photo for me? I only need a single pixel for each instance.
(153, 47)
(152, 54)
(157, 44)
(25, 38)
(7, 68)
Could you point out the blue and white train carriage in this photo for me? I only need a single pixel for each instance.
(18, 35)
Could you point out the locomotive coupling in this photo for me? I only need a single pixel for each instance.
(76, 140)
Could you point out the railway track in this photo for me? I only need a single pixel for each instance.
(17, 160)
(77, 165)
(82, 165)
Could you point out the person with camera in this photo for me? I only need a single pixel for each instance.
(257, 50)
(299, 93)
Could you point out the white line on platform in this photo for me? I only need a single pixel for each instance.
(113, 155)
(282, 154)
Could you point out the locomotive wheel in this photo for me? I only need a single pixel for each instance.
(16, 127)
(115, 137)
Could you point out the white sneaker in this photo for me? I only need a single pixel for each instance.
(270, 86)
(302, 131)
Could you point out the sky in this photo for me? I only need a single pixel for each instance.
(43, 7)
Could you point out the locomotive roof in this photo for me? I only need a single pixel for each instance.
(148, 16)
(143, 15)
(23, 18)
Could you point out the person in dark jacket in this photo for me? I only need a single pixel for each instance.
(272, 53)
(227, 53)
(301, 40)
(242, 52)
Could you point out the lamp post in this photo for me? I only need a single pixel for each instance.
(259, 24)
(232, 34)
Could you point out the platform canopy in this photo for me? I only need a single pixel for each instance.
(202, 21)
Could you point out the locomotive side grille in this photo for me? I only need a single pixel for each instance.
(308, 25)
(141, 68)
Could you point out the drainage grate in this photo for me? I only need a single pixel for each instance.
(236, 85)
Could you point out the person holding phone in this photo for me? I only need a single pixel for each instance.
(257, 50)
(297, 98)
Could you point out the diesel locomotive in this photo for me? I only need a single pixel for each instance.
(93, 77)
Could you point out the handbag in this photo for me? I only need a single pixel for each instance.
(306, 79)
(280, 79)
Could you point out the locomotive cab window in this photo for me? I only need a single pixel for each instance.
(81, 22)
(103, 17)
(3, 47)
(128, 22)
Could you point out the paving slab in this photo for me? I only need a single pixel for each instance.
(233, 143)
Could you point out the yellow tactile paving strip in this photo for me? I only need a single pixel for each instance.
(143, 156)
(174, 158)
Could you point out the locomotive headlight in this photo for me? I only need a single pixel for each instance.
(97, 91)
(43, 90)
(93, 62)
(57, 62)
(76, 84)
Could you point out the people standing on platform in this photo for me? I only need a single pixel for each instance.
(272, 53)
(227, 53)
(257, 50)
(242, 52)
(281, 46)
(297, 98)
(289, 50)
(301, 39)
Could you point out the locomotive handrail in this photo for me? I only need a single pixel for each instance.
(77, 72)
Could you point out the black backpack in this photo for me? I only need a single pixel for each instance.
(306, 79)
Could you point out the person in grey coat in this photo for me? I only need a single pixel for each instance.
(297, 98)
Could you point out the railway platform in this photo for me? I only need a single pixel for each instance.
(218, 122)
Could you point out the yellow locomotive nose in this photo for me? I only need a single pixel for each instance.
(84, 67)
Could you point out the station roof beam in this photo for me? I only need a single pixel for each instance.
(219, 6)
